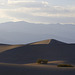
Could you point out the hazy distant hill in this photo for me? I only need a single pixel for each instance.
(23, 32)
(47, 49)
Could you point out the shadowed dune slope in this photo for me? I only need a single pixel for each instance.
(53, 50)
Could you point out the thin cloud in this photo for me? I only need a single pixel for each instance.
(37, 11)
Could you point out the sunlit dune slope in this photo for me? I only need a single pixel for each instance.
(41, 42)
(8, 47)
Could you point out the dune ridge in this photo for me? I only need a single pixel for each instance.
(42, 42)
(47, 49)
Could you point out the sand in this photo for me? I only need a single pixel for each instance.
(41, 42)
(8, 47)
(34, 69)
(21, 59)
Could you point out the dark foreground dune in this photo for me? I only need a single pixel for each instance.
(20, 59)
(13, 69)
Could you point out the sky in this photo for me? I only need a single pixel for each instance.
(38, 11)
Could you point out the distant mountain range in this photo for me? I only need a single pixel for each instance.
(23, 32)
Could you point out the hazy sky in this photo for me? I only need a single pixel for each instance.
(38, 11)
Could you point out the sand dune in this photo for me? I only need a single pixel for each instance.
(21, 59)
(29, 53)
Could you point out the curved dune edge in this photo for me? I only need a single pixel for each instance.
(41, 66)
(42, 42)
(8, 47)
(4, 48)
(51, 64)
